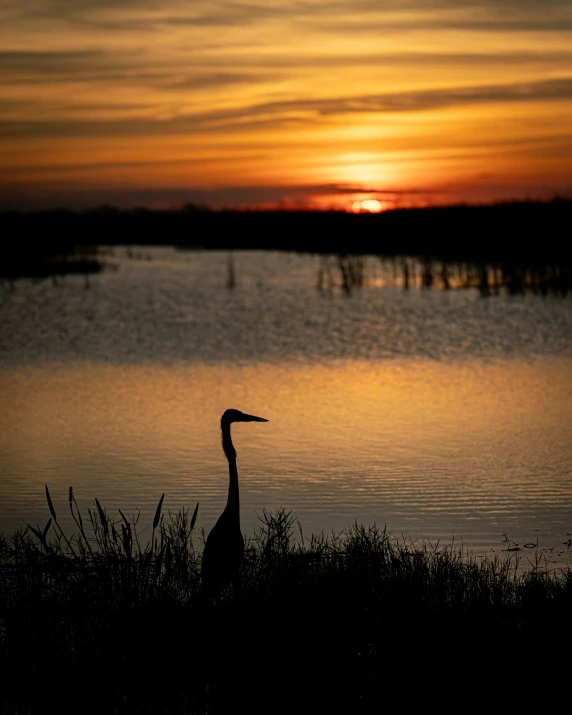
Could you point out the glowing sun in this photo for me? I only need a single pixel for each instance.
(367, 205)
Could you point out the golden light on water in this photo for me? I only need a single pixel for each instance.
(416, 445)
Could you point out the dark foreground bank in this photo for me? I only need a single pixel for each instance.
(523, 233)
(104, 622)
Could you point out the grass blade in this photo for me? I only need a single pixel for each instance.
(194, 516)
(158, 512)
(127, 539)
(50, 504)
(102, 518)
(46, 529)
(37, 533)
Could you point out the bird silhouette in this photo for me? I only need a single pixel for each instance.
(224, 547)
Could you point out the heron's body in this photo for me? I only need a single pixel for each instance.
(224, 548)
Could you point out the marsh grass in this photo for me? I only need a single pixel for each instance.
(116, 611)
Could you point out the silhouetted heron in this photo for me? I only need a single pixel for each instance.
(224, 548)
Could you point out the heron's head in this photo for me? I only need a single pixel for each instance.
(238, 416)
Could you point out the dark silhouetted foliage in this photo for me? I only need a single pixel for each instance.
(511, 234)
(101, 621)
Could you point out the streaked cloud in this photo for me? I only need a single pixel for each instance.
(288, 112)
(318, 93)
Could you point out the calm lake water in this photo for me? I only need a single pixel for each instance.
(443, 414)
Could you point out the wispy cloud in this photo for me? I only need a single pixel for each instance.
(320, 92)
(293, 111)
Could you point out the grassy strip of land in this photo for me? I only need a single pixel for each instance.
(113, 619)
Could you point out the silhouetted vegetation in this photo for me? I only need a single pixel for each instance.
(112, 619)
(350, 272)
(39, 256)
(525, 242)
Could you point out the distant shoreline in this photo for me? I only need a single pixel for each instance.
(512, 233)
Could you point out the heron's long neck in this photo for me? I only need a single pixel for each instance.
(233, 501)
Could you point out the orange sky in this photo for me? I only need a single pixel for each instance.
(291, 102)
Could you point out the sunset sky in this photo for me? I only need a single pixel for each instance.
(283, 102)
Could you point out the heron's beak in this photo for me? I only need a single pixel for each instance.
(252, 418)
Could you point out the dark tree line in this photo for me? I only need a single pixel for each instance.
(513, 234)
